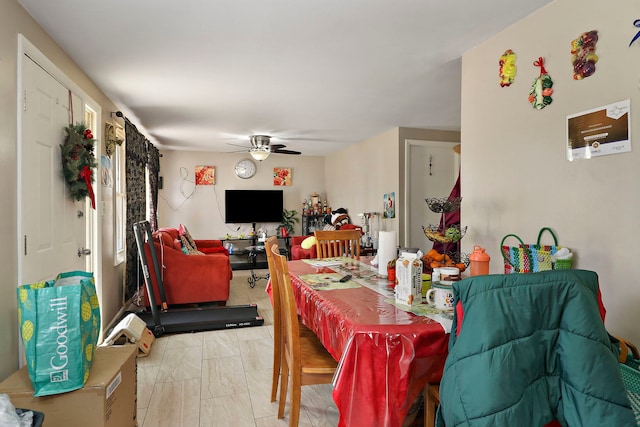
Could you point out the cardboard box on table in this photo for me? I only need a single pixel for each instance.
(108, 399)
(408, 291)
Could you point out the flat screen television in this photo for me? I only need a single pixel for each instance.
(249, 206)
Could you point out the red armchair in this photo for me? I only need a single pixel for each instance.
(297, 252)
(193, 278)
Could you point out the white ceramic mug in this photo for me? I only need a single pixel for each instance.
(440, 296)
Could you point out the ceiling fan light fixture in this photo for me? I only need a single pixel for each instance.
(260, 153)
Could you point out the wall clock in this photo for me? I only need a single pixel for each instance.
(245, 169)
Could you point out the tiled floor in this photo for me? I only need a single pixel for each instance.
(222, 378)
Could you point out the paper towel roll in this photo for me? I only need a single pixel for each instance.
(386, 250)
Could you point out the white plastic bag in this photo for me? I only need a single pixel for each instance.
(8, 415)
(10, 418)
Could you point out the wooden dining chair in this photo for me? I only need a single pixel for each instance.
(431, 402)
(304, 359)
(336, 243)
(270, 243)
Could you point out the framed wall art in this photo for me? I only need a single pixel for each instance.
(205, 175)
(282, 176)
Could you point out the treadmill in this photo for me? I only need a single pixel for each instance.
(163, 319)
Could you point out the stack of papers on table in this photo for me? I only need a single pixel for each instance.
(318, 263)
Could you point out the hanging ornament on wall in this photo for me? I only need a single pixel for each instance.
(78, 162)
(584, 58)
(541, 89)
(508, 68)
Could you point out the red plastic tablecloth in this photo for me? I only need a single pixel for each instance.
(386, 355)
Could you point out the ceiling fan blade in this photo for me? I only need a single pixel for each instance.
(239, 145)
(276, 146)
(281, 151)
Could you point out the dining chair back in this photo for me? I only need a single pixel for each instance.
(304, 359)
(270, 243)
(336, 243)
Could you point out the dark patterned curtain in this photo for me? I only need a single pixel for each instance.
(153, 165)
(136, 161)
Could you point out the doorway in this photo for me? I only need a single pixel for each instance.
(431, 170)
(55, 233)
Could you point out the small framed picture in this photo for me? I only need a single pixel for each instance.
(390, 205)
(205, 175)
(282, 176)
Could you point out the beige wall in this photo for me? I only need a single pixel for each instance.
(358, 177)
(515, 176)
(201, 208)
(13, 21)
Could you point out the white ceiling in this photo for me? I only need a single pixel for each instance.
(315, 75)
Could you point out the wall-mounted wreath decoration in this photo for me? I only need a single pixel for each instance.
(78, 162)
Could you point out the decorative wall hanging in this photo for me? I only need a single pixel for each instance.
(111, 139)
(540, 93)
(636, 23)
(78, 162)
(205, 175)
(281, 176)
(584, 56)
(508, 68)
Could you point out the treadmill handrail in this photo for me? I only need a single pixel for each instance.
(139, 228)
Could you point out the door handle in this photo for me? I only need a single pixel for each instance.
(83, 251)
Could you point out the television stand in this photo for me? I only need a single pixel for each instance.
(248, 255)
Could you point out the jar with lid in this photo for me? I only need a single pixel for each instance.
(479, 261)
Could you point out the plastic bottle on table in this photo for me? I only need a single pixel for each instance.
(435, 275)
(479, 261)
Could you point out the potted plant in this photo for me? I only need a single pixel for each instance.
(289, 219)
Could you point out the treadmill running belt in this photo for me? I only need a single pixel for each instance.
(203, 319)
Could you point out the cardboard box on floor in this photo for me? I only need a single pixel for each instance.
(108, 399)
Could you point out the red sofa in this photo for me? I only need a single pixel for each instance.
(190, 279)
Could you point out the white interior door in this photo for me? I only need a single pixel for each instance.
(52, 225)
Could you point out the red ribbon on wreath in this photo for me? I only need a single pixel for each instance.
(86, 174)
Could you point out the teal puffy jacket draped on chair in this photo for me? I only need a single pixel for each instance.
(531, 348)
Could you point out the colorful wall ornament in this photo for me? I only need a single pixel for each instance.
(508, 68)
(584, 58)
(541, 89)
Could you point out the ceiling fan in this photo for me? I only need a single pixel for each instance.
(261, 147)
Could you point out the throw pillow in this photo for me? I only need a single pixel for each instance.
(187, 249)
(182, 230)
(308, 243)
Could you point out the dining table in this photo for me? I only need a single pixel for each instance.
(387, 352)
